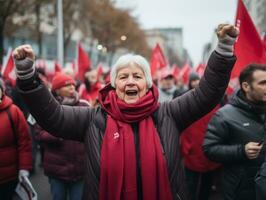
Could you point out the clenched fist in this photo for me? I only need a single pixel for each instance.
(227, 35)
(24, 59)
(228, 29)
(23, 51)
(252, 150)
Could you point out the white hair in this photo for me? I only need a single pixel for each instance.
(128, 59)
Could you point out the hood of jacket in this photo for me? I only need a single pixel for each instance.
(239, 100)
(6, 102)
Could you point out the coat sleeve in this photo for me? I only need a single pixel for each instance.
(68, 122)
(24, 140)
(44, 138)
(195, 103)
(216, 145)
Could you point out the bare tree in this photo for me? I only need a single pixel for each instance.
(7, 10)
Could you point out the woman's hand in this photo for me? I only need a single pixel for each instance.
(24, 61)
(227, 35)
(24, 51)
(227, 29)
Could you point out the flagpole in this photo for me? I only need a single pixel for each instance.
(60, 28)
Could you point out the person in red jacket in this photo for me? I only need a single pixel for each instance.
(199, 170)
(15, 146)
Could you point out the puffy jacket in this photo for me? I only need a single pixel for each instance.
(14, 155)
(233, 126)
(63, 159)
(88, 124)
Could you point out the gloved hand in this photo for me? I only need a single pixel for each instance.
(227, 35)
(24, 60)
(23, 173)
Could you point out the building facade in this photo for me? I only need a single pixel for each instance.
(257, 10)
(171, 42)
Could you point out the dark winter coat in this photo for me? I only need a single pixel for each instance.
(63, 159)
(88, 125)
(233, 126)
(15, 150)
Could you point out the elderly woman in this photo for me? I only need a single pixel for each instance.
(132, 141)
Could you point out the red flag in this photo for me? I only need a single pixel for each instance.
(249, 46)
(184, 73)
(57, 67)
(83, 62)
(200, 69)
(8, 69)
(175, 70)
(264, 53)
(264, 41)
(157, 61)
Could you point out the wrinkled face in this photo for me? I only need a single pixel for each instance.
(256, 90)
(167, 83)
(66, 91)
(130, 83)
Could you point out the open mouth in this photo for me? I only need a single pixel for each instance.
(131, 93)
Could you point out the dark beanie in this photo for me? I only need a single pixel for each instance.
(193, 76)
(61, 80)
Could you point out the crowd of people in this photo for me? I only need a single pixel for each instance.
(133, 138)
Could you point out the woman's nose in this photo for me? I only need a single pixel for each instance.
(130, 80)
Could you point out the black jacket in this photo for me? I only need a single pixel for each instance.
(233, 126)
(89, 124)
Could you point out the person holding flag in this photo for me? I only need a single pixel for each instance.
(132, 141)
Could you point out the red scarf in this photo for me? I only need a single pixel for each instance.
(118, 155)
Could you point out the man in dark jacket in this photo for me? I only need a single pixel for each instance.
(235, 133)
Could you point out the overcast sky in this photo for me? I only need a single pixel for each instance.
(198, 18)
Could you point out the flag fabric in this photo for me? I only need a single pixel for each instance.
(8, 69)
(157, 61)
(248, 47)
(264, 41)
(200, 69)
(83, 62)
(175, 70)
(57, 67)
(184, 73)
(264, 52)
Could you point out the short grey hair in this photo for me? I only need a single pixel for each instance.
(128, 59)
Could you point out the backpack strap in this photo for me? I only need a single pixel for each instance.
(12, 125)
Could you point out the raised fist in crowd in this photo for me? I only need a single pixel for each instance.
(24, 60)
(227, 29)
(227, 35)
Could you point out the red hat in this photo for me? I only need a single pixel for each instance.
(164, 73)
(61, 80)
